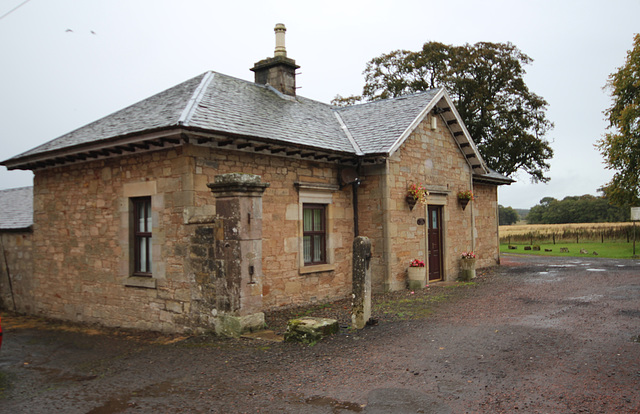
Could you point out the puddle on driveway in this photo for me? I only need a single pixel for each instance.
(121, 403)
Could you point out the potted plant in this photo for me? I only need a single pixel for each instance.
(416, 194)
(464, 197)
(468, 266)
(417, 275)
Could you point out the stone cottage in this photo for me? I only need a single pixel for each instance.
(220, 198)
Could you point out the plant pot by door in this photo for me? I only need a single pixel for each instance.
(417, 278)
(468, 269)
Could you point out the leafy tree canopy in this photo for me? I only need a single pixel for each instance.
(576, 209)
(507, 216)
(505, 119)
(621, 146)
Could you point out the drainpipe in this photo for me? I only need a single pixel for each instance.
(354, 189)
(473, 222)
(386, 222)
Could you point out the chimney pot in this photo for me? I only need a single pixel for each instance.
(280, 30)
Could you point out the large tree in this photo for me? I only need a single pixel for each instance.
(621, 146)
(576, 209)
(506, 120)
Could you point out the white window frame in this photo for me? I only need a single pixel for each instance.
(316, 194)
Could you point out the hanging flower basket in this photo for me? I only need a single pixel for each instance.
(464, 197)
(416, 194)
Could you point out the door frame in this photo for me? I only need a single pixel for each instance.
(438, 199)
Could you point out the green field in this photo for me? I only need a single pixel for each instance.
(609, 250)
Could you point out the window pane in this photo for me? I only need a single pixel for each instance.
(308, 219)
(434, 219)
(317, 220)
(148, 214)
(141, 220)
(149, 250)
(317, 248)
(142, 243)
(307, 248)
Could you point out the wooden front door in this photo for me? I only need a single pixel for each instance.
(435, 242)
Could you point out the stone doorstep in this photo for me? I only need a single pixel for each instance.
(264, 335)
(442, 283)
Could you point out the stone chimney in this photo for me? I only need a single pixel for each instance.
(278, 71)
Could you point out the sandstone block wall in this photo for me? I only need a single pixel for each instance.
(485, 207)
(285, 281)
(82, 247)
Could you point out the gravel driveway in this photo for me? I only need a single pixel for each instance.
(535, 335)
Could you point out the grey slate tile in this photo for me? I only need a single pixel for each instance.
(16, 208)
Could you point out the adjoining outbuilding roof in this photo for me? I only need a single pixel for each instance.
(16, 209)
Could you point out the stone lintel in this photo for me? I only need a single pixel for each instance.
(316, 186)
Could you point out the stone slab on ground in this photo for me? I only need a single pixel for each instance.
(309, 329)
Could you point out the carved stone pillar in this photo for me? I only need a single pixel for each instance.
(239, 250)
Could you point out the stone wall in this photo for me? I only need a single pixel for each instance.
(82, 240)
(82, 247)
(285, 281)
(432, 158)
(16, 268)
(485, 207)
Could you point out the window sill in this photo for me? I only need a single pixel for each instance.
(141, 282)
(317, 268)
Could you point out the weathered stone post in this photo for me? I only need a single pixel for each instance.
(239, 252)
(361, 305)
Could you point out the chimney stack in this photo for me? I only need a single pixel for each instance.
(278, 71)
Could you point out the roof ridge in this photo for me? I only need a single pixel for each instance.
(17, 188)
(346, 131)
(393, 98)
(196, 98)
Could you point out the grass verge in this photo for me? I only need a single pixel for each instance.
(608, 250)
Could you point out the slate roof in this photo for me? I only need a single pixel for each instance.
(16, 208)
(218, 103)
(214, 103)
(376, 126)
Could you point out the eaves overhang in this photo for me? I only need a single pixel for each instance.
(492, 178)
(442, 106)
(172, 137)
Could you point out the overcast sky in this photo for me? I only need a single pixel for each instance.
(65, 63)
